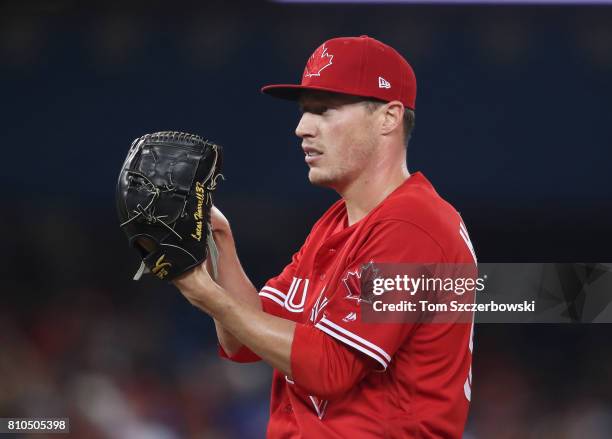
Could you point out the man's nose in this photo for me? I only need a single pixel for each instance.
(306, 126)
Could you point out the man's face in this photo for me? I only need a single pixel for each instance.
(337, 137)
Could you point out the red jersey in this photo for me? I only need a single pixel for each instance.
(370, 380)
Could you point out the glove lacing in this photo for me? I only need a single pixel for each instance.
(147, 212)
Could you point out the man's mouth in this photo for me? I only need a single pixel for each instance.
(310, 151)
(312, 154)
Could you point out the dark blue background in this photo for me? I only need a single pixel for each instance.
(512, 127)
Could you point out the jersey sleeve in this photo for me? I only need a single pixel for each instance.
(323, 366)
(274, 293)
(391, 241)
(243, 355)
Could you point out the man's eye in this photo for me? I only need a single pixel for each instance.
(320, 110)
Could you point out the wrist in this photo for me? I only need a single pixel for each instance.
(203, 292)
(192, 283)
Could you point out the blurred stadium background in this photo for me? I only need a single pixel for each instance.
(513, 127)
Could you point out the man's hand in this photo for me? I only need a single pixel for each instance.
(197, 286)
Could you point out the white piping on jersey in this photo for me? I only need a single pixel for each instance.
(275, 291)
(466, 237)
(271, 297)
(287, 300)
(356, 337)
(320, 408)
(295, 285)
(318, 306)
(467, 387)
(355, 341)
(274, 295)
(462, 227)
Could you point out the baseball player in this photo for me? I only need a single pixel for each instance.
(336, 376)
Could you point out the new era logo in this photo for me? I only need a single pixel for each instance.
(383, 83)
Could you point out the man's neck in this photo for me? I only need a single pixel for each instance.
(367, 192)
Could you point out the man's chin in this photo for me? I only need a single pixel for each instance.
(317, 178)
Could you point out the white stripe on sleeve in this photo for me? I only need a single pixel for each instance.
(272, 298)
(351, 342)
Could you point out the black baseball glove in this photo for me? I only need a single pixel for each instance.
(164, 197)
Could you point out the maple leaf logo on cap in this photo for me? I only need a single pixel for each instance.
(318, 61)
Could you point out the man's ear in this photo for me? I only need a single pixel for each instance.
(392, 114)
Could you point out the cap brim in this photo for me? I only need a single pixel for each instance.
(292, 92)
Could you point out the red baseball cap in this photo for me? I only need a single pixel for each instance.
(359, 66)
